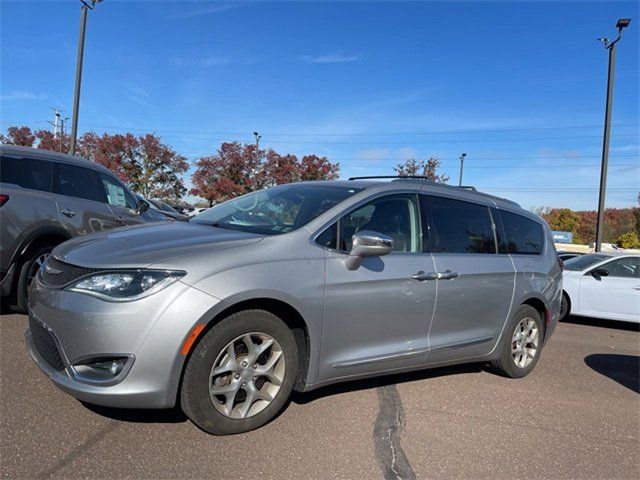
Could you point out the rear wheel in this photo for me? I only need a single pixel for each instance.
(240, 374)
(565, 306)
(521, 343)
(28, 272)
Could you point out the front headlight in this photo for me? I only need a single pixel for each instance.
(125, 285)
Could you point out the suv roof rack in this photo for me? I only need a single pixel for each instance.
(412, 177)
(371, 177)
(444, 185)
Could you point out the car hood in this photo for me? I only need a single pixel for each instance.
(143, 245)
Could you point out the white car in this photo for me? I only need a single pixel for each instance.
(602, 285)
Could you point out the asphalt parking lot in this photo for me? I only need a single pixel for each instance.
(576, 416)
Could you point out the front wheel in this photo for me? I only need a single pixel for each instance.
(28, 272)
(565, 306)
(240, 374)
(520, 344)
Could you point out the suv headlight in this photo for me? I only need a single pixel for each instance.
(125, 285)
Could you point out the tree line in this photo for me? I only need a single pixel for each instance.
(155, 170)
(621, 225)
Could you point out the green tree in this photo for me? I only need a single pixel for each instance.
(565, 220)
(629, 240)
(426, 168)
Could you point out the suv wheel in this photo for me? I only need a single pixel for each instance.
(240, 374)
(520, 344)
(565, 306)
(28, 271)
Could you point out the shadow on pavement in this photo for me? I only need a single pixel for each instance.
(137, 415)
(598, 322)
(392, 379)
(624, 369)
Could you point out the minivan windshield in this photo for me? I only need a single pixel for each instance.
(584, 261)
(276, 210)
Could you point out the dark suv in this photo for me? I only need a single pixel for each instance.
(47, 198)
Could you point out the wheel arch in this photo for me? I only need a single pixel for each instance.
(541, 307)
(39, 238)
(283, 310)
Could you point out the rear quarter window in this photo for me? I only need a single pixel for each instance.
(522, 236)
(27, 172)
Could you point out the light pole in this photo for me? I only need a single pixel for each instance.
(611, 46)
(86, 5)
(462, 157)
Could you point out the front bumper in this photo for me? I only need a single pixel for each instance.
(150, 332)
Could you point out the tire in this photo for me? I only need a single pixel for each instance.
(27, 272)
(201, 382)
(518, 365)
(565, 306)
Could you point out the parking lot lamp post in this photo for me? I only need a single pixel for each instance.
(462, 157)
(86, 5)
(611, 46)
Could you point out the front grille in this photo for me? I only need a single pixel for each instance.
(58, 274)
(45, 344)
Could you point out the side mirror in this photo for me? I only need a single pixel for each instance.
(142, 206)
(599, 272)
(367, 243)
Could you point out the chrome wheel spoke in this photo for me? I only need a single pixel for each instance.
(247, 375)
(524, 342)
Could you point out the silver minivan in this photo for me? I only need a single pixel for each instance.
(47, 198)
(294, 287)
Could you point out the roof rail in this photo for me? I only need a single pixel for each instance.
(413, 177)
(373, 177)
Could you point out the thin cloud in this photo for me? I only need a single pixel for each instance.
(210, 10)
(23, 95)
(330, 58)
(138, 95)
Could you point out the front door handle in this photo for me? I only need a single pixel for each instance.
(447, 275)
(120, 220)
(422, 276)
(67, 212)
(637, 287)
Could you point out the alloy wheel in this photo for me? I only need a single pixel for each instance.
(35, 266)
(524, 343)
(247, 375)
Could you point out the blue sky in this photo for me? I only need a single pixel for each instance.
(518, 86)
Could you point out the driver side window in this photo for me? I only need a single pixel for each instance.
(623, 267)
(395, 216)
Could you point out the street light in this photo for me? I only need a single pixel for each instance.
(611, 46)
(86, 5)
(462, 157)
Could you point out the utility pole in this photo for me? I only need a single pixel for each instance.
(76, 94)
(462, 157)
(56, 122)
(611, 46)
(62, 122)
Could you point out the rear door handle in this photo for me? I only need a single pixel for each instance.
(422, 276)
(67, 212)
(447, 275)
(637, 287)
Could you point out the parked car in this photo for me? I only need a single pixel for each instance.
(47, 198)
(564, 256)
(183, 209)
(160, 213)
(197, 211)
(602, 285)
(294, 287)
(168, 210)
(152, 211)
